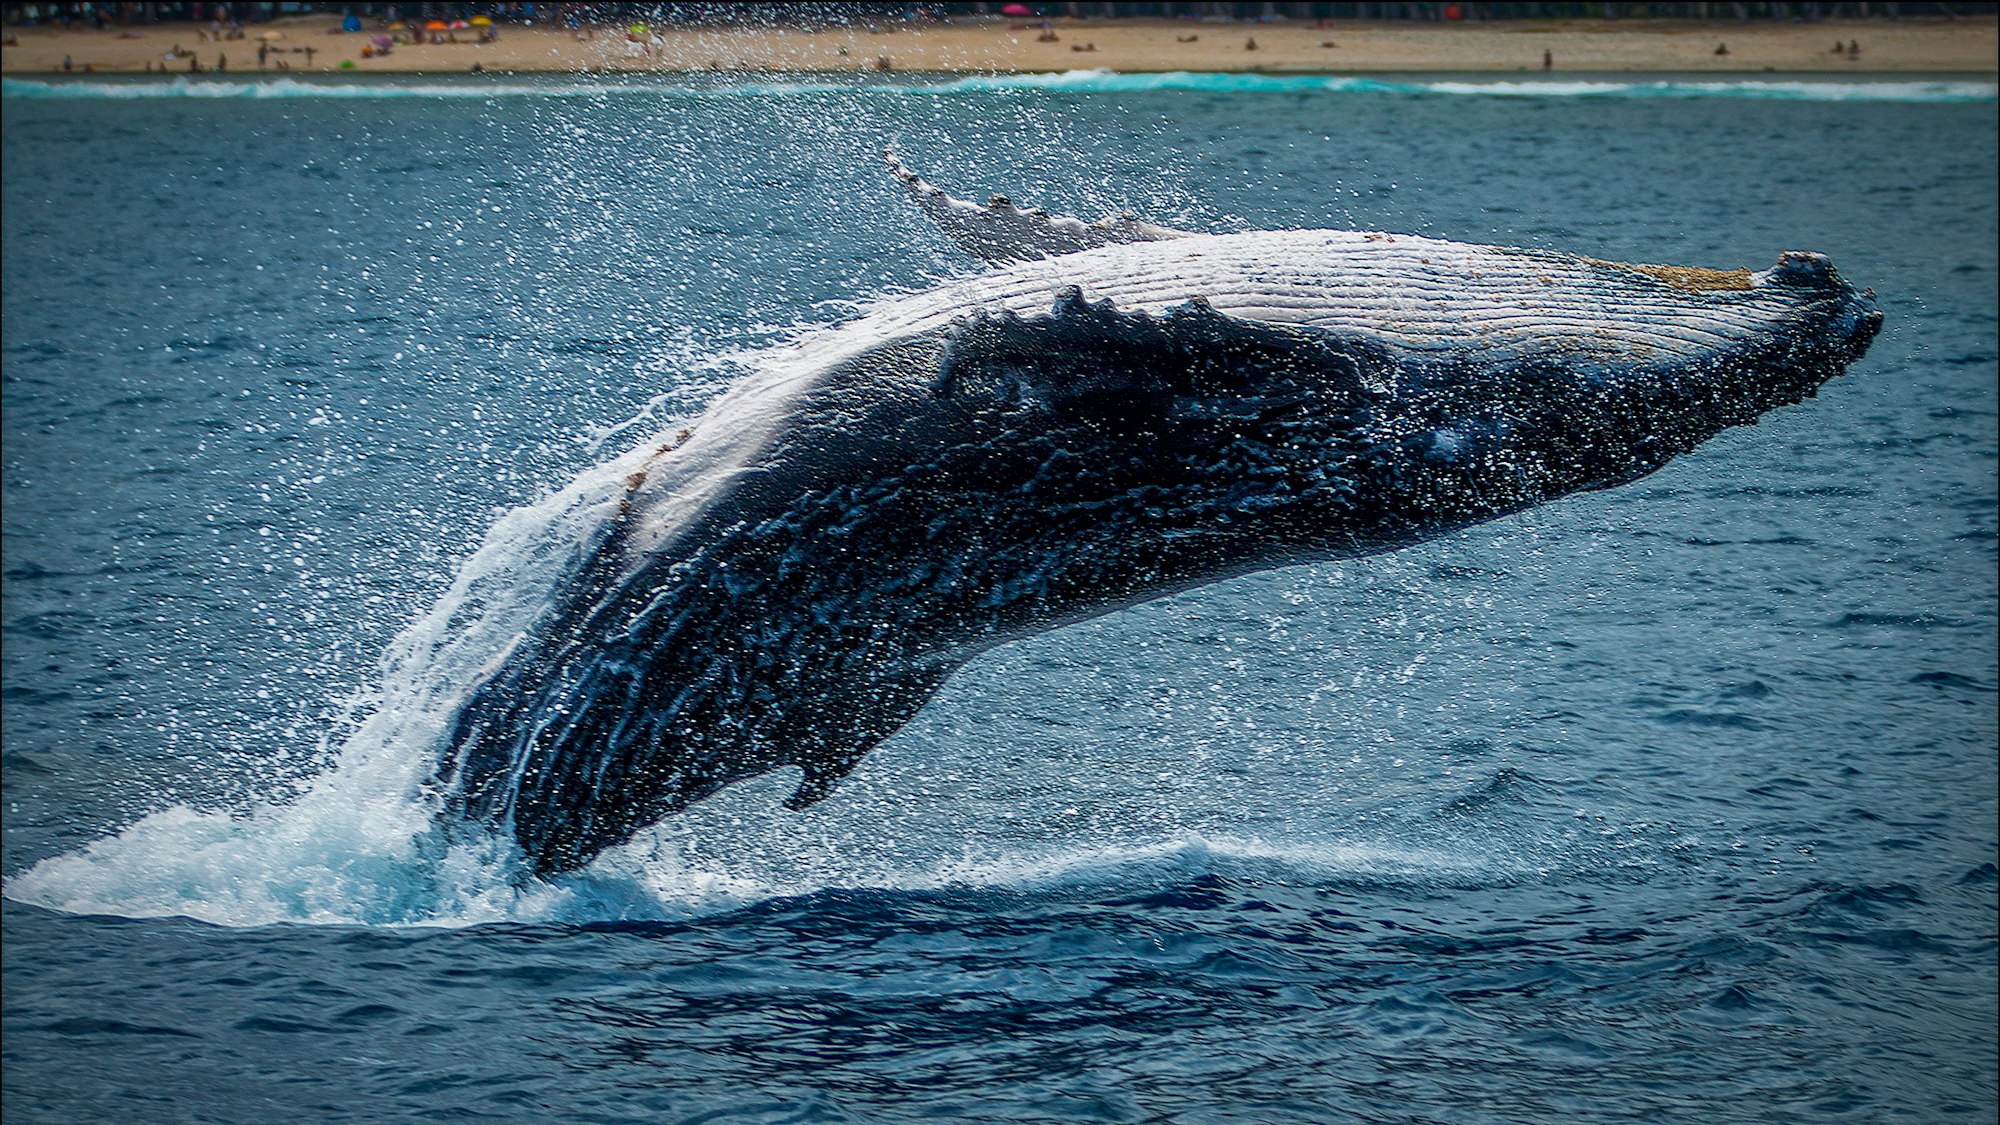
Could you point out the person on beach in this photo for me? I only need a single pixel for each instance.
(263, 50)
(1548, 59)
(1722, 48)
(221, 62)
(66, 64)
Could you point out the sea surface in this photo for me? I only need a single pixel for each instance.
(1675, 802)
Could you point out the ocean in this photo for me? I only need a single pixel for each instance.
(1672, 802)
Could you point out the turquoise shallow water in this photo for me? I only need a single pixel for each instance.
(1917, 89)
(1676, 801)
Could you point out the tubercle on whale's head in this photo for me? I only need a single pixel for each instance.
(1826, 326)
(1851, 320)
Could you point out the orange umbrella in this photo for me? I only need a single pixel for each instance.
(435, 25)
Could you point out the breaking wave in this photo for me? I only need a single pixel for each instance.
(1075, 81)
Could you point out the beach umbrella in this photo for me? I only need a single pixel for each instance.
(399, 25)
(481, 21)
(384, 41)
(435, 25)
(351, 23)
(459, 25)
(1017, 10)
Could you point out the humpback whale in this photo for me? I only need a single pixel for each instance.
(1113, 412)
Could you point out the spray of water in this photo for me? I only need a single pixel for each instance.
(361, 844)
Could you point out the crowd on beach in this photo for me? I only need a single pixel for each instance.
(221, 23)
(574, 15)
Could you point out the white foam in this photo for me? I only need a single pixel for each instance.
(361, 844)
(1075, 81)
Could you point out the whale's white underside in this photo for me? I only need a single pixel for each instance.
(1405, 292)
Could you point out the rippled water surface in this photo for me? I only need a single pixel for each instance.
(1670, 802)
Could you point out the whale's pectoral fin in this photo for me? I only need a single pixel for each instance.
(1000, 231)
(876, 709)
(1094, 356)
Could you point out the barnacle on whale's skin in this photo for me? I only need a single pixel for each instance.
(1121, 411)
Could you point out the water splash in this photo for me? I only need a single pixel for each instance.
(361, 844)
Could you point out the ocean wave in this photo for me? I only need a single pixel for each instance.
(1075, 81)
(1795, 90)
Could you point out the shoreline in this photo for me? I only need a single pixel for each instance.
(1055, 80)
(313, 45)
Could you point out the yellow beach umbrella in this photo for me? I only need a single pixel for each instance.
(481, 21)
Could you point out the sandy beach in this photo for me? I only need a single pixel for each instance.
(1964, 45)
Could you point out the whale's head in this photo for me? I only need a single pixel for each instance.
(1633, 390)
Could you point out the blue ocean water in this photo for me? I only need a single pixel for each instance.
(1671, 802)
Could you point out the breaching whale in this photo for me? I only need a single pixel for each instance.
(1123, 412)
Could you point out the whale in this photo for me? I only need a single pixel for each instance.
(1106, 413)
